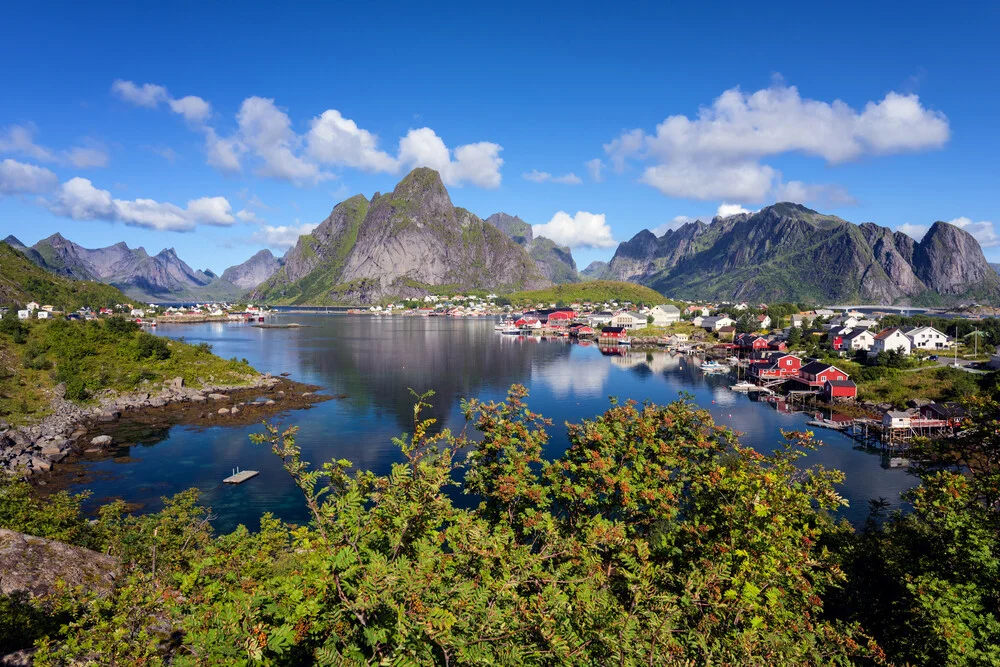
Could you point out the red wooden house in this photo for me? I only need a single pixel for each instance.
(776, 367)
(561, 317)
(840, 389)
(816, 374)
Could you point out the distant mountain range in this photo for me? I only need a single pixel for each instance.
(151, 278)
(554, 261)
(22, 281)
(414, 241)
(405, 244)
(791, 253)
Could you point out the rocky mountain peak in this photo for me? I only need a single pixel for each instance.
(13, 241)
(512, 226)
(423, 185)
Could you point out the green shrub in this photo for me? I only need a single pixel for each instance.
(149, 346)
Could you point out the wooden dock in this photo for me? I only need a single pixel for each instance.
(240, 477)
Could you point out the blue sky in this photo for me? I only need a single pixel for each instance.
(222, 129)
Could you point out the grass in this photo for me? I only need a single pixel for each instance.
(594, 291)
(934, 384)
(89, 357)
(22, 281)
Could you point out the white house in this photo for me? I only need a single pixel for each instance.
(716, 323)
(628, 321)
(763, 321)
(859, 339)
(927, 338)
(845, 321)
(665, 315)
(43, 314)
(23, 314)
(890, 339)
(32, 306)
(896, 419)
(137, 312)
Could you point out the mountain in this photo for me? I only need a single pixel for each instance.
(407, 243)
(555, 262)
(160, 277)
(594, 271)
(21, 281)
(791, 253)
(996, 267)
(252, 272)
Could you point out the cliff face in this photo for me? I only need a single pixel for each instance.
(594, 271)
(160, 277)
(789, 252)
(252, 272)
(400, 244)
(554, 262)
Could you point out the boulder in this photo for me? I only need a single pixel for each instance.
(234, 411)
(33, 565)
(108, 416)
(38, 463)
(198, 398)
(218, 397)
(157, 402)
(176, 383)
(101, 441)
(223, 411)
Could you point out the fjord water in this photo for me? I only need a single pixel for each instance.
(375, 361)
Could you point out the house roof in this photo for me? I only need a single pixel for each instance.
(896, 414)
(842, 383)
(815, 368)
(613, 330)
(668, 308)
(727, 329)
(856, 332)
(950, 409)
(885, 333)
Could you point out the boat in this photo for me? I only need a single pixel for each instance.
(743, 387)
(714, 367)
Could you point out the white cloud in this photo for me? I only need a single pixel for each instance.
(916, 232)
(18, 178)
(245, 215)
(477, 163)
(223, 154)
(725, 210)
(267, 131)
(568, 179)
(214, 211)
(333, 139)
(193, 108)
(536, 176)
(594, 168)
(282, 237)
(742, 180)
(78, 199)
(584, 230)
(147, 95)
(718, 153)
(675, 222)
(814, 193)
(20, 139)
(984, 231)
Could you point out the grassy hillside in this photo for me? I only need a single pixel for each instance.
(21, 281)
(595, 291)
(89, 357)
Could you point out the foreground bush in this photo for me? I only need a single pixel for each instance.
(655, 539)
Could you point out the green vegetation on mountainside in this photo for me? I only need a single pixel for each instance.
(22, 281)
(594, 291)
(316, 287)
(89, 357)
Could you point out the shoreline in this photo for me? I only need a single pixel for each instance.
(70, 430)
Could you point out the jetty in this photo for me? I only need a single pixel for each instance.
(240, 476)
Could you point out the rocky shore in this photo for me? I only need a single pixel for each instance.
(37, 447)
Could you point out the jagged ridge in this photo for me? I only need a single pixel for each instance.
(789, 252)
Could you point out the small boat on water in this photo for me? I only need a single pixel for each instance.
(743, 387)
(713, 366)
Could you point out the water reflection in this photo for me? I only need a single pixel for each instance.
(376, 360)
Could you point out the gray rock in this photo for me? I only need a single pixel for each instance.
(176, 383)
(223, 411)
(102, 441)
(38, 463)
(33, 565)
(218, 397)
